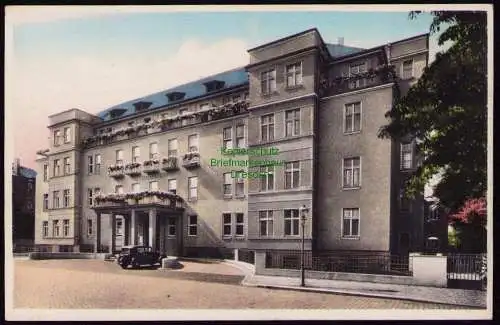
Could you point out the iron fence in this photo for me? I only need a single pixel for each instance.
(368, 263)
(246, 256)
(466, 266)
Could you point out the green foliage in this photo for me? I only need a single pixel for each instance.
(446, 111)
(453, 238)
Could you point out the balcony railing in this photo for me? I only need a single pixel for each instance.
(133, 169)
(168, 123)
(151, 166)
(374, 77)
(191, 160)
(116, 171)
(166, 199)
(170, 164)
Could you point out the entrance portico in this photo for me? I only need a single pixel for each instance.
(153, 225)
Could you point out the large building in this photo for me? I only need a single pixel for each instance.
(152, 171)
(23, 206)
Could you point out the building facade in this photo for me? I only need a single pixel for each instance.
(23, 206)
(158, 170)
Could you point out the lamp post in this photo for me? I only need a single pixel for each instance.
(303, 214)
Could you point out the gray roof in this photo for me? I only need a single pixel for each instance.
(231, 78)
(27, 172)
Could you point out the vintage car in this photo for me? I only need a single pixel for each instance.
(138, 255)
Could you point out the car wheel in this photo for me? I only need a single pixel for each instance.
(134, 264)
(123, 265)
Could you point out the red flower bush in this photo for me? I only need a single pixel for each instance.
(472, 212)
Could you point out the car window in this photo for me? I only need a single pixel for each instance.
(125, 250)
(140, 250)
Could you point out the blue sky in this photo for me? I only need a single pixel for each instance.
(94, 58)
(159, 32)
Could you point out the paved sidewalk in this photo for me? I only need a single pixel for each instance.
(470, 298)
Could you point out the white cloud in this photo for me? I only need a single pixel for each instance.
(45, 86)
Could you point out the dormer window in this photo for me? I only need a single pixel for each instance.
(140, 106)
(131, 123)
(147, 119)
(175, 96)
(214, 85)
(116, 112)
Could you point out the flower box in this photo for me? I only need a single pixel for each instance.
(191, 160)
(133, 169)
(170, 164)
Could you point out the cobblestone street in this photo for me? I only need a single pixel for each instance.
(79, 284)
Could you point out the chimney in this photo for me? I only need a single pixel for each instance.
(340, 41)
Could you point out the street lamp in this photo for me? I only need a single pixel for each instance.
(303, 214)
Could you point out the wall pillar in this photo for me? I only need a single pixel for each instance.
(126, 230)
(112, 239)
(133, 228)
(260, 262)
(97, 235)
(152, 229)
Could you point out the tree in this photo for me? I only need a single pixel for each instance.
(446, 112)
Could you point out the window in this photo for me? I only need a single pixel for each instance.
(30, 186)
(45, 172)
(119, 227)
(406, 156)
(433, 214)
(352, 117)
(193, 188)
(240, 186)
(45, 201)
(267, 127)
(240, 136)
(227, 187)
(136, 188)
(193, 225)
(294, 74)
(45, 229)
(97, 164)
(236, 98)
(119, 189)
(171, 227)
(55, 228)
(266, 223)
(153, 150)
(182, 112)
(90, 165)
(66, 198)
(204, 106)
(119, 157)
(55, 199)
(57, 137)
(226, 224)
(227, 141)
(172, 186)
(268, 81)
(240, 224)
(89, 227)
(29, 205)
(246, 96)
(172, 148)
(407, 69)
(267, 181)
(65, 228)
(57, 167)
(67, 135)
(67, 166)
(350, 223)
(92, 193)
(292, 122)
(292, 175)
(291, 222)
(352, 172)
(136, 154)
(193, 143)
(357, 68)
(153, 186)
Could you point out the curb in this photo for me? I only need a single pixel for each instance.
(358, 293)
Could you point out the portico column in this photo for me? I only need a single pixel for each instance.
(126, 233)
(152, 229)
(132, 228)
(112, 226)
(97, 235)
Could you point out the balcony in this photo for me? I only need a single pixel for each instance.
(170, 164)
(133, 169)
(374, 77)
(106, 137)
(151, 166)
(191, 160)
(164, 199)
(116, 171)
